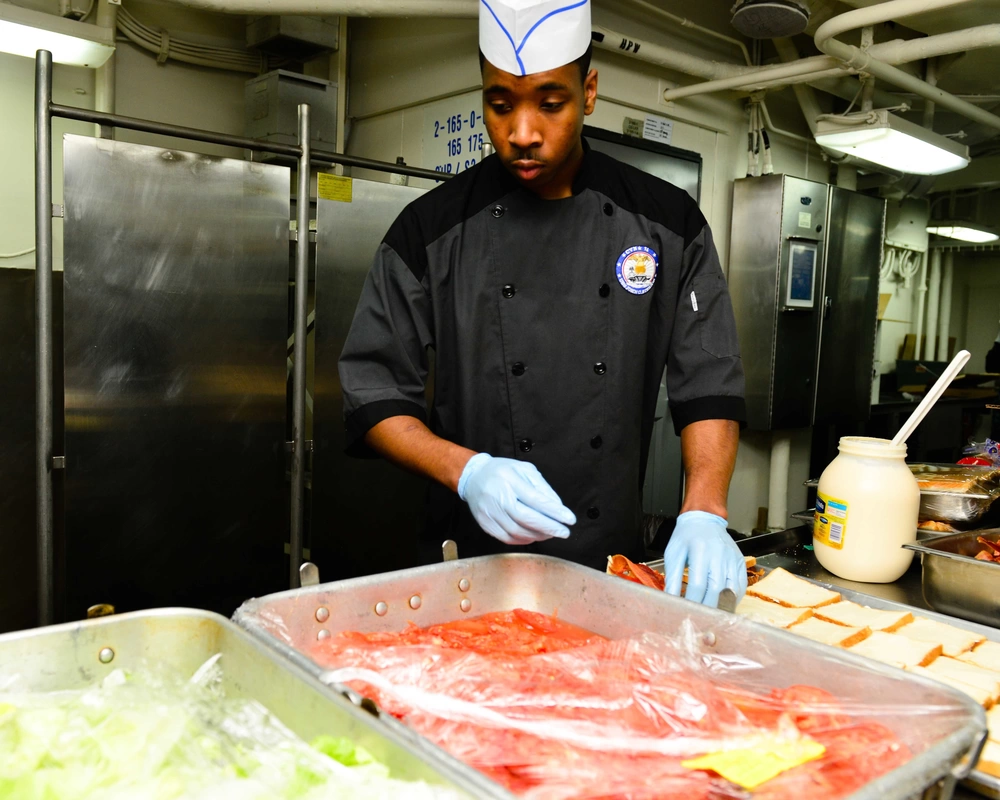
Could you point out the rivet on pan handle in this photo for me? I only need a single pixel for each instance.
(308, 574)
(449, 550)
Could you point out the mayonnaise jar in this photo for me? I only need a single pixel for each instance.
(866, 510)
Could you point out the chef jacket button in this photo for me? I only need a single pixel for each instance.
(517, 368)
(596, 442)
(609, 209)
(605, 290)
(525, 445)
(508, 290)
(593, 512)
(600, 367)
(498, 211)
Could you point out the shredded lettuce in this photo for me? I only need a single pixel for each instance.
(154, 736)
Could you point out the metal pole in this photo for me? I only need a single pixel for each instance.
(43, 337)
(213, 137)
(301, 312)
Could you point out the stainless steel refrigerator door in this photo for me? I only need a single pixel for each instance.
(366, 513)
(856, 227)
(774, 217)
(176, 311)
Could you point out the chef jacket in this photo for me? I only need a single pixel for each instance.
(551, 322)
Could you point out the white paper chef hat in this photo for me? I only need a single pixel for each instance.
(527, 36)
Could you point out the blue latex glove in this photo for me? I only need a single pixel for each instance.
(701, 543)
(511, 500)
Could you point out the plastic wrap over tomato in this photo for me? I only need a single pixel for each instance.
(551, 711)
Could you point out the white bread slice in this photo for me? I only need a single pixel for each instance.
(989, 761)
(954, 641)
(981, 696)
(780, 586)
(985, 654)
(968, 673)
(847, 613)
(771, 613)
(829, 632)
(890, 648)
(993, 723)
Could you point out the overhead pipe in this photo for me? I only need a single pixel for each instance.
(933, 305)
(944, 325)
(815, 68)
(677, 60)
(468, 9)
(805, 96)
(686, 23)
(862, 61)
(930, 74)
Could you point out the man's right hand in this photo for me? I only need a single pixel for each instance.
(512, 502)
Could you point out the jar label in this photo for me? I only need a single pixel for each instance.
(831, 521)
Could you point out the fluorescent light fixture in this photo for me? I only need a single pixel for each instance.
(890, 141)
(963, 230)
(23, 31)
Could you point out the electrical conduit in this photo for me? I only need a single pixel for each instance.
(933, 305)
(944, 324)
(920, 296)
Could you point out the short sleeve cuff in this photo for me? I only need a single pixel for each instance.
(701, 408)
(368, 416)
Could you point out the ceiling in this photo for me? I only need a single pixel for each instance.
(973, 75)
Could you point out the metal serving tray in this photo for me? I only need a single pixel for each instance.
(293, 621)
(980, 782)
(954, 582)
(808, 520)
(963, 508)
(69, 656)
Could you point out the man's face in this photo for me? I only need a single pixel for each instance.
(535, 122)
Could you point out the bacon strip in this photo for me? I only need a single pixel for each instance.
(639, 573)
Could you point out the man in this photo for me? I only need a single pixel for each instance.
(553, 283)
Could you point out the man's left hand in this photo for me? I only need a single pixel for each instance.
(701, 543)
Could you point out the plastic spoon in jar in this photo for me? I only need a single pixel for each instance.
(933, 395)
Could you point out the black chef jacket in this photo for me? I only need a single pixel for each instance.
(551, 322)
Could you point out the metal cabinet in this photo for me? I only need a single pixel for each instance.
(803, 275)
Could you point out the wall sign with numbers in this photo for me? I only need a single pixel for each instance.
(454, 134)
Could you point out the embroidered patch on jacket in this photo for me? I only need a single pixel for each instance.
(636, 269)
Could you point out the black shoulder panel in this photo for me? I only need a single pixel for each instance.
(430, 216)
(641, 193)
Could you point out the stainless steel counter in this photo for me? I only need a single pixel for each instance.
(800, 560)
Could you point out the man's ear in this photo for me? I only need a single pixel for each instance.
(590, 92)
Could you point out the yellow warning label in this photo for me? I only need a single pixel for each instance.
(752, 766)
(334, 187)
(830, 526)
